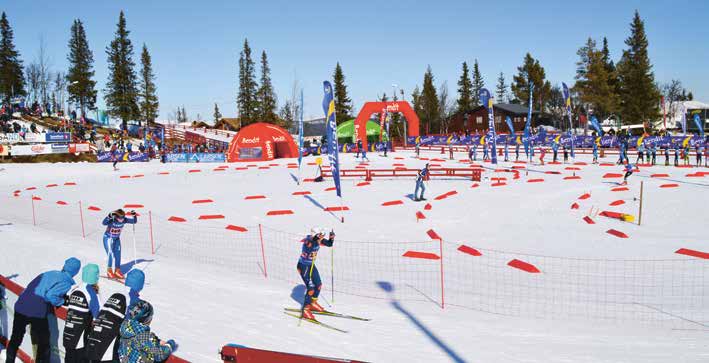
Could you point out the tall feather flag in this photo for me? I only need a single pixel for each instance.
(510, 125)
(698, 122)
(328, 106)
(300, 135)
(683, 120)
(596, 126)
(486, 100)
(567, 104)
(528, 125)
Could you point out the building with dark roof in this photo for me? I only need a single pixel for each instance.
(476, 119)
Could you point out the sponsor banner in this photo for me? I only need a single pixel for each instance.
(39, 149)
(79, 148)
(57, 137)
(196, 158)
(14, 138)
(106, 156)
(346, 148)
(607, 141)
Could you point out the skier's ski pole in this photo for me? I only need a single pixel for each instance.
(332, 271)
(135, 254)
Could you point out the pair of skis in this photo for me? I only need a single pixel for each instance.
(296, 313)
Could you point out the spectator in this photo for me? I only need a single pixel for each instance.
(33, 305)
(138, 343)
(83, 308)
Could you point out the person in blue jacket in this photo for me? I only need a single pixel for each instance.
(628, 172)
(137, 342)
(420, 177)
(32, 307)
(595, 151)
(114, 223)
(555, 149)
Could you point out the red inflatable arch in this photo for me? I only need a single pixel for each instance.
(369, 108)
(260, 142)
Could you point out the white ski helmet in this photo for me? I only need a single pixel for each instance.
(316, 231)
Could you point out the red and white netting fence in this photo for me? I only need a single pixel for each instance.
(664, 292)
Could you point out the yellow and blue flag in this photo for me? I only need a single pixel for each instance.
(328, 106)
(486, 100)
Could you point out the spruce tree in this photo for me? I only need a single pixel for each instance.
(478, 84)
(247, 99)
(416, 102)
(266, 96)
(501, 90)
(343, 104)
(593, 80)
(531, 70)
(217, 114)
(121, 88)
(430, 107)
(12, 82)
(465, 90)
(639, 95)
(148, 97)
(81, 86)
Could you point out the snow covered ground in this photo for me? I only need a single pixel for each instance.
(598, 297)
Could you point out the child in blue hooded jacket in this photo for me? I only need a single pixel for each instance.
(46, 291)
(138, 344)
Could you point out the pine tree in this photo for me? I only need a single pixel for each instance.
(416, 102)
(217, 114)
(430, 107)
(638, 92)
(531, 70)
(12, 82)
(81, 88)
(121, 90)
(247, 99)
(148, 98)
(343, 104)
(185, 118)
(593, 80)
(266, 96)
(465, 90)
(501, 90)
(478, 84)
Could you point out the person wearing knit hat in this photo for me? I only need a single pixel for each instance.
(83, 308)
(45, 291)
(138, 343)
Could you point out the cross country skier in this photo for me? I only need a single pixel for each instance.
(641, 150)
(359, 148)
(114, 157)
(566, 155)
(517, 152)
(628, 172)
(418, 148)
(542, 152)
(114, 223)
(507, 154)
(83, 308)
(595, 152)
(309, 272)
(555, 150)
(475, 151)
(676, 156)
(420, 177)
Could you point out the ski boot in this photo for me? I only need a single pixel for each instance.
(314, 306)
(307, 314)
(117, 274)
(110, 273)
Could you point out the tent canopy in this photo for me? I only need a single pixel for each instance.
(345, 130)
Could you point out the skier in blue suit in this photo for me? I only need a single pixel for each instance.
(46, 291)
(114, 223)
(309, 272)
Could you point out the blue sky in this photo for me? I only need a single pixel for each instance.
(195, 45)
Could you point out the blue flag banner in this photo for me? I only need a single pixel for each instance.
(596, 126)
(300, 132)
(509, 124)
(328, 106)
(567, 104)
(486, 100)
(528, 125)
(698, 122)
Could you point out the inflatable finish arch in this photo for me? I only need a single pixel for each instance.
(369, 108)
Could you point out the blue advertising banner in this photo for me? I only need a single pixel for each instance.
(607, 141)
(57, 137)
(328, 105)
(105, 156)
(199, 157)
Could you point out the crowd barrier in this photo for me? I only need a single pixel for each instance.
(672, 292)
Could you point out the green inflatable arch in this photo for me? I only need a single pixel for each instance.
(345, 132)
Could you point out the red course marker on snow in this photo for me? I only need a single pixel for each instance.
(420, 215)
(125, 176)
(535, 181)
(617, 202)
(52, 185)
(469, 250)
(211, 216)
(232, 227)
(552, 172)
(362, 184)
(393, 202)
(585, 196)
(133, 206)
(304, 192)
(164, 173)
(202, 201)
(194, 171)
(138, 176)
(588, 220)
(575, 206)
(693, 253)
(573, 177)
(606, 164)
(498, 184)
(475, 185)
(422, 255)
(61, 202)
(93, 208)
(431, 233)
(176, 219)
(251, 197)
(31, 188)
(336, 209)
(669, 185)
(660, 175)
(612, 175)
(524, 266)
(330, 189)
(620, 189)
(617, 233)
(69, 183)
(279, 212)
(36, 198)
(427, 206)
